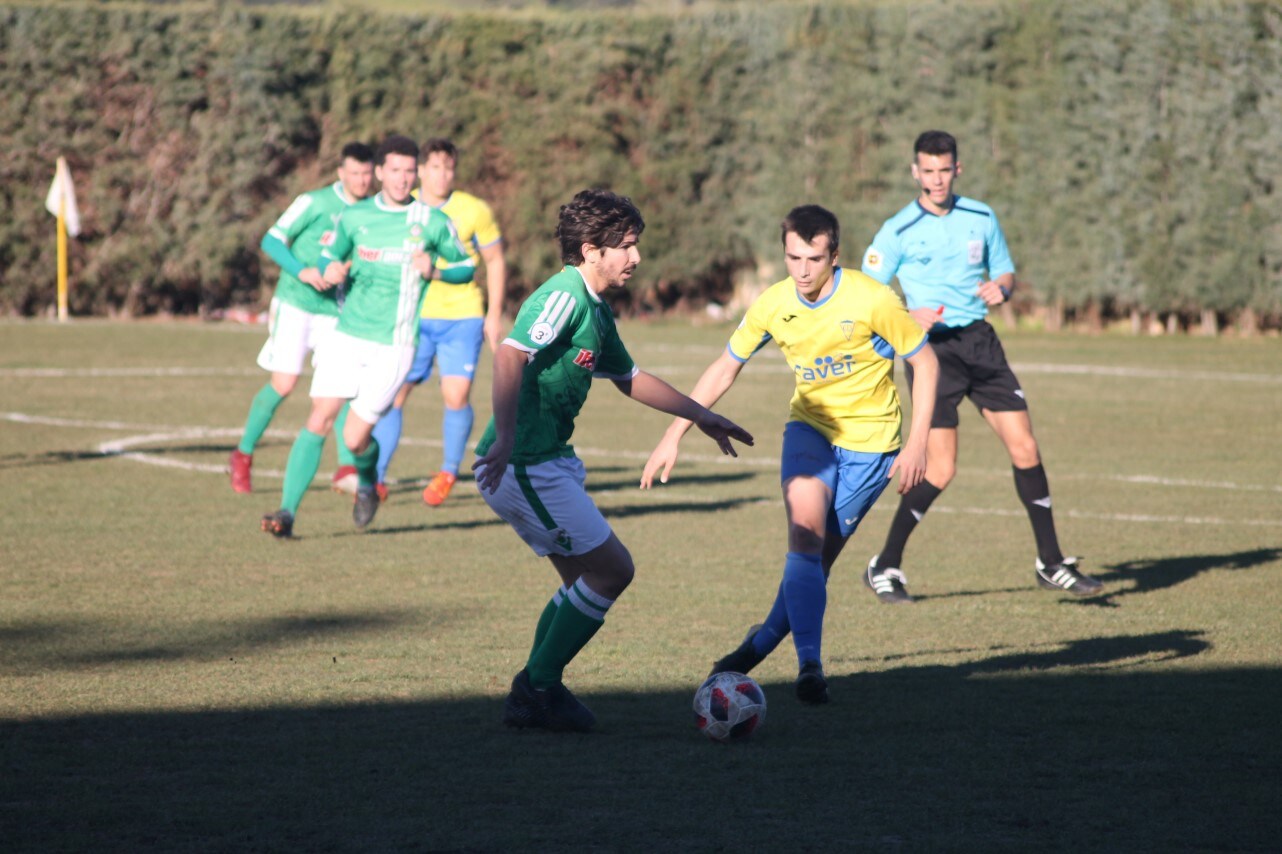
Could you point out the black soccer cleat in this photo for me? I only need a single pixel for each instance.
(1065, 576)
(366, 505)
(812, 687)
(890, 585)
(554, 709)
(279, 524)
(566, 713)
(742, 659)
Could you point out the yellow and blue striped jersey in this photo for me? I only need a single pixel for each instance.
(477, 230)
(842, 353)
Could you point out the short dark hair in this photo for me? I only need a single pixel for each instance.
(441, 144)
(810, 221)
(597, 217)
(935, 142)
(396, 144)
(358, 151)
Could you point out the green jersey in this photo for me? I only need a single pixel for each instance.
(306, 227)
(384, 290)
(570, 336)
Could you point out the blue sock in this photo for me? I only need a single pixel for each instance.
(456, 427)
(775, 628)
(806, 595)
(387, 432)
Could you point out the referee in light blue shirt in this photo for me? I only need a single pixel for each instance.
(952, 262)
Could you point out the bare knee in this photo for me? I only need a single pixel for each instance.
(804, 540)
(1023, 452)
(940, 472)
(283, 384)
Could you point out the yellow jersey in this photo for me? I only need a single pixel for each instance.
(477, 230)
(842, 352)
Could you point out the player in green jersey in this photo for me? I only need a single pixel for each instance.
(527, 471)
(454, 322)
(385, 246)
(304, 308)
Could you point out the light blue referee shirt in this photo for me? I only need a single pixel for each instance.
(940, 260)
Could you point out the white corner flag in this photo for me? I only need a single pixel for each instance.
(61, 202)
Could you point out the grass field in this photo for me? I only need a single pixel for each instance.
(173, 679)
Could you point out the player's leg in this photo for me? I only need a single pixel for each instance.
(381, 377)
(548, 508)
(1054, 570)
(390, 427)
(387, 432)
(884, 575)
(1000, 398)
(457, 353)
(288, 342)
(302, 465)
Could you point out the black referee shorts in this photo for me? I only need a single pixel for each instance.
(972, 364)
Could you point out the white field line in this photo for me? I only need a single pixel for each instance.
(765, 364)
(92, 373)
(160, 434)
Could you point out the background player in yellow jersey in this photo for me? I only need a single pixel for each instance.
(454, 321)
(839, 331)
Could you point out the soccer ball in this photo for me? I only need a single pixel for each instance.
(729, 706)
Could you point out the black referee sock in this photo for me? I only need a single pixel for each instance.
(912, 507)
(1035, 492)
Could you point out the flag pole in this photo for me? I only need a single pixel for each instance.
(62, 257)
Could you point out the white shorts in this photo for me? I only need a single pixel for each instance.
(365, 372)
(548, 508)
(292, 334)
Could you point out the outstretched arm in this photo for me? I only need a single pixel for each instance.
(911, 462)
(657, 394)
(715, 381)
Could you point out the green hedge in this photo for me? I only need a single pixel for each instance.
(1128, 146)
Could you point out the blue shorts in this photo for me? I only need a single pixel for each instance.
(856, 479)
(454, 344)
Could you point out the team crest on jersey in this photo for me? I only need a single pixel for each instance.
(416, 230)
(586, 359)
(847, 328)
(873, 259)
(327, 239)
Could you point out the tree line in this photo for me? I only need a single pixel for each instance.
(1126, 146)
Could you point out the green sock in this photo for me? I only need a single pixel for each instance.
(577, 619)
(261, 412)
(345, 455)
(366, 463)
(300, 469)
(545, 619)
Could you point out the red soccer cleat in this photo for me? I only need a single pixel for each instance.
(238, 466)
(439, 489)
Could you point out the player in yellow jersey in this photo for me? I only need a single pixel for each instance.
(454, 321)
(839, 331)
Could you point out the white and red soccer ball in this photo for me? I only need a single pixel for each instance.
(729, 707)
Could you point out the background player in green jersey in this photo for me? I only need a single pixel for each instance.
(950, 256)
(453, 323)
(527, 471)
(304, 308)
(839, 331)
(386, 246)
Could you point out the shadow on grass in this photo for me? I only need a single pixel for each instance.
(1148, 576)
(995, 754)
(1143, 576)
(68, 645)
